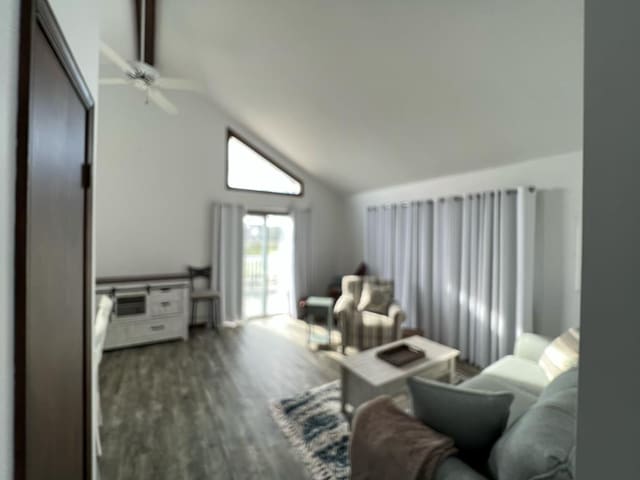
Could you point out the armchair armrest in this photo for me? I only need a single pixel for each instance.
(530, 346)
(344, 304)
(343, 311)
(397, 314)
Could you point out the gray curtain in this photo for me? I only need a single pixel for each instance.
(226, 258)
(301, 258)
(463, 267)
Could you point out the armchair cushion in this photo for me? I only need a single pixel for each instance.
(375, 298)
(375, 329)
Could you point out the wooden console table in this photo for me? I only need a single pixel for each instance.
(147, 308)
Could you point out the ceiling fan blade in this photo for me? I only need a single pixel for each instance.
(115, 58)
(113, 81)
(157, 97)
(181, 84)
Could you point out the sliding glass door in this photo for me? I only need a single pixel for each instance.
(267, 264)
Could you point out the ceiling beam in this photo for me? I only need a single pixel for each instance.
(146, 51)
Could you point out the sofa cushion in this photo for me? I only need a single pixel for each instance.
(541, 444)
(521, 372)
(474, 419)
(561, 355)
(376, 297)
(566, 381)
(455, 469)
(522, 399)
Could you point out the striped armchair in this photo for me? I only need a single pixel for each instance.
(364, 329)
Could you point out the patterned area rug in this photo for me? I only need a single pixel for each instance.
(315, 426)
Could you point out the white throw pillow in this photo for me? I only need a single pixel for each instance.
(562, 354)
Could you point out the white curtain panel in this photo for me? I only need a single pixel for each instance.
(301, 257)
(387, 248)
(443, 323)
(424, 266)
(226, 258)
(488, 288)
(414, 261)
(399, 246)
(380, 251)
(373, 239)
(526, 234)
(462, 266)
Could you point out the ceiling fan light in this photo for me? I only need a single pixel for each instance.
(139, 84)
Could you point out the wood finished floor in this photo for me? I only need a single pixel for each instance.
(200, 409)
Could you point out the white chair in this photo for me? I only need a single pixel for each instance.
(105, 305)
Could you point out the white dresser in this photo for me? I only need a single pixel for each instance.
(147, 309)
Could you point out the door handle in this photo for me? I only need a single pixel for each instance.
(156, 328)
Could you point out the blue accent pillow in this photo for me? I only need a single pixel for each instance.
(473, 419)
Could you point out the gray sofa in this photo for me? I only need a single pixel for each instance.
(538, 441)
(540, 433)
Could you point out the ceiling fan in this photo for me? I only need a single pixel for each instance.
(141, 74)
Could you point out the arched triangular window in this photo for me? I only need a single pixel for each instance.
(249, 169)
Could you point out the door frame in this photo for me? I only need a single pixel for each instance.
(38, 14)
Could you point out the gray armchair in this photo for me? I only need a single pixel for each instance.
(366, 329)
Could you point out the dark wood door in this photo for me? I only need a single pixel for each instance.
(52, 265)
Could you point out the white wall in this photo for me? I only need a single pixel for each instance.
(559, 207)
(159, 175)
(8, 89)
(79, 21)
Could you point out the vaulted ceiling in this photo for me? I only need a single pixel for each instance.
(369, 93)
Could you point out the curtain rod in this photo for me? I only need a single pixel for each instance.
(508, 191)
(268, 212)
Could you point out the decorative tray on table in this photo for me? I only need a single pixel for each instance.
(401, 355)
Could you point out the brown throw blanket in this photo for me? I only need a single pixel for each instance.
(388, 444)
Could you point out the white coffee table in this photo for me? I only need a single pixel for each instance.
(365, 376)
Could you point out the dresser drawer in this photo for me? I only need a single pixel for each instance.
(154, 327)
(166, 307)
(165, 294)
(123, 334)
(166, 302)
